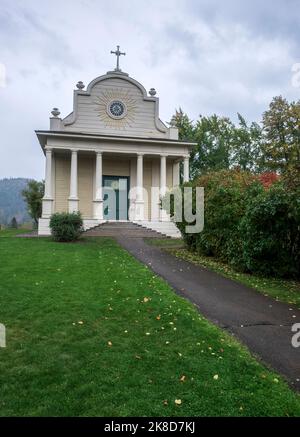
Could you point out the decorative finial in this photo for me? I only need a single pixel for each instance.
(118, 54)
(152, 92)
(80, 85)
(55, 112)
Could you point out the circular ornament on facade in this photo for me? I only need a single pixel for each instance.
(116, 109)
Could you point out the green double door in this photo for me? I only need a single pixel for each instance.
(115, 197)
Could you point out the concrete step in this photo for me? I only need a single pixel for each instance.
(165, 228)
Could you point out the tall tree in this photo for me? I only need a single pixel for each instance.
(214, 136)
(246, 145)
(184, 125)
(281, 125)
(33, 195)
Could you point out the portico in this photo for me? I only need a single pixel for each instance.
(112, 146)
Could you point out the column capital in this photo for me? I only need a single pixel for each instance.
(99, 152)
(164, 155)
(140, 154)
(74, 150)
(48, 149)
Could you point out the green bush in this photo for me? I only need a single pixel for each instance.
(252, 227)
(270, 232)
(224, 198)
(66, 226)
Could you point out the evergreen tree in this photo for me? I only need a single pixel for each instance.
(14, 223)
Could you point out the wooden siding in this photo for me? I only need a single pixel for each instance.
(86, 165)
(116, 167)
(62, 182)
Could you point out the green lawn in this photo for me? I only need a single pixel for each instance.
(10, 232)
(92, 332)
(283, 290)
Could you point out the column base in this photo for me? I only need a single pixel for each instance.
(98, 209)
(164, 216)
(43, 228)
(73, 205)
(139, 210)
(47, 207)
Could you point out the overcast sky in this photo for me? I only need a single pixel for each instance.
(207, 56)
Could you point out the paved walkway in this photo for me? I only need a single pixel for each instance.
(261, 323)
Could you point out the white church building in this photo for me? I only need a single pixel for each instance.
(112, 158)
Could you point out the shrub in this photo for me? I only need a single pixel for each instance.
(251, 224)
(66, 226)
(224, 197)
(270, 232)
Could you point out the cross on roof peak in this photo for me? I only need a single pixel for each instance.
(118, 54)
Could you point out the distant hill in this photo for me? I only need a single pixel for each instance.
(11, 201)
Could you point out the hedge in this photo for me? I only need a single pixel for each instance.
(248, 224)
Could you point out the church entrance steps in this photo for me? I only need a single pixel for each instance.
(167, 228)
(123, 229)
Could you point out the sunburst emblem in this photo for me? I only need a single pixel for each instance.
(116, 108)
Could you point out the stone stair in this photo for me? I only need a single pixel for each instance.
(123, 229)
(168, 229)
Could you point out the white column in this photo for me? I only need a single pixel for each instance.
(155, 188)
(47, 203)
(98, 199)
(163, 185)
(73, 199)
(48, 175)
(176, 174)
(163, 175)
(186, 169)
(139, 203)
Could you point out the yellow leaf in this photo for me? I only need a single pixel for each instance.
(216, 377)
(183, 378)
(109, 343)
(178, 401)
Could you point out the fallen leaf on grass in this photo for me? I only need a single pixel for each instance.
(109, 343)
(178, 401)
(216, 377)
(183, 378)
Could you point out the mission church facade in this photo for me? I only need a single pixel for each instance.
(112, 158)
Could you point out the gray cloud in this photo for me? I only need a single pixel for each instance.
(207, 56)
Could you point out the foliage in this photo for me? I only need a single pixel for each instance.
(251, 226)
(214, 136)
(78, 316)
(245, 151)
(33, 195)
(281, 126)
(268, 178)
(11, 201)
(270, 232)
(272, 145)
(66, 226)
